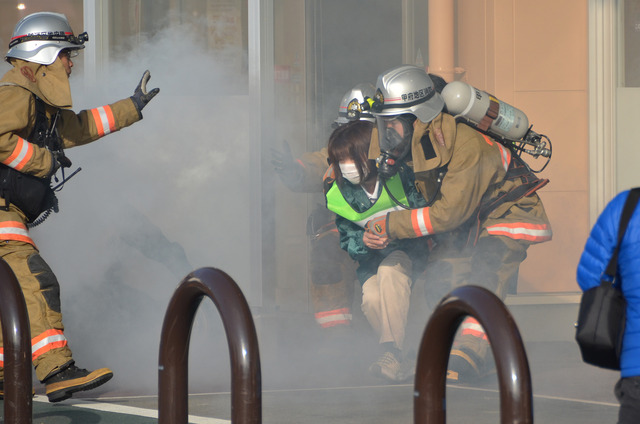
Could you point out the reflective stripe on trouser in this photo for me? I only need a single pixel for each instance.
(386, 297)
(334, 318)
(42, 296)
(492, 263)
(332, 281)
(332, 303)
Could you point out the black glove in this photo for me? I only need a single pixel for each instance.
(283, 163)
(64, 161)
(140, 96)
(59, 161)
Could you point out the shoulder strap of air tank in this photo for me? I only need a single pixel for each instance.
(42, 123)
(529, 184)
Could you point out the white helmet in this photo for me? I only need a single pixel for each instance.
(407, 89)
(359, 93)
(39, 37)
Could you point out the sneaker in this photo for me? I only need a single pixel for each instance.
(464, 367)
(407, 370)
(387, 366)
(63, 384)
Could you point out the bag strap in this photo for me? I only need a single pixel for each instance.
(627, 212)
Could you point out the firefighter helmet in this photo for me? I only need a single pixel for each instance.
(407, 89)
(41, 36)
(359, 93)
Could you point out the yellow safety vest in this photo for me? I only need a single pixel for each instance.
(384, 204)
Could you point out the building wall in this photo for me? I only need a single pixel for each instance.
(291, 209)
(533, 55)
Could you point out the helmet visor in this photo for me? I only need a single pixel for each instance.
(69, 53)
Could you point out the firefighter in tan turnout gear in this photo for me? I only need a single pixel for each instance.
(482, 208)
(36, 125)
(333, 272)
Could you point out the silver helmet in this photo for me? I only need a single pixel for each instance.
(41, 36)
(403, 94)
(359, 93)
(407, 89)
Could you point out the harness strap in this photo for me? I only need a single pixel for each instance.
(32, 195)
(530, 184)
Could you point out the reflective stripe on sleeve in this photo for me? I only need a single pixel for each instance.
(328, 173)
(15, 230)
(505, 155)
(522, 231)
(103, 117)
(21, 154)
(421, 222)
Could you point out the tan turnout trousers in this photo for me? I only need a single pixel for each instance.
(42, 296)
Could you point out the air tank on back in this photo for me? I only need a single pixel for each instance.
(479, 107)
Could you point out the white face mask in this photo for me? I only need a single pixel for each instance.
(350, 172)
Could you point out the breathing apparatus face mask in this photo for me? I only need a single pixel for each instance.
(394, 137)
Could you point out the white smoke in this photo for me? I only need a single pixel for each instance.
(153, 202)
(159, 199)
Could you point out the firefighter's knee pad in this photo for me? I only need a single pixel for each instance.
(49, 286)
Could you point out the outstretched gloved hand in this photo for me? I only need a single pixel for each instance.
(141, 96)
(288, 169)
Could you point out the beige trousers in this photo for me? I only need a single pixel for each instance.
(386, 296)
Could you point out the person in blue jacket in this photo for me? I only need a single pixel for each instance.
(593, 262)
(386, 270)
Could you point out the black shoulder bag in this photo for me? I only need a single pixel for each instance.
(602, 314)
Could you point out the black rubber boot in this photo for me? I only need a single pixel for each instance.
(72, 379)
(463, 367)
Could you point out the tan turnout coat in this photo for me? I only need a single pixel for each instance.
(17, 119)
(476, 167)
